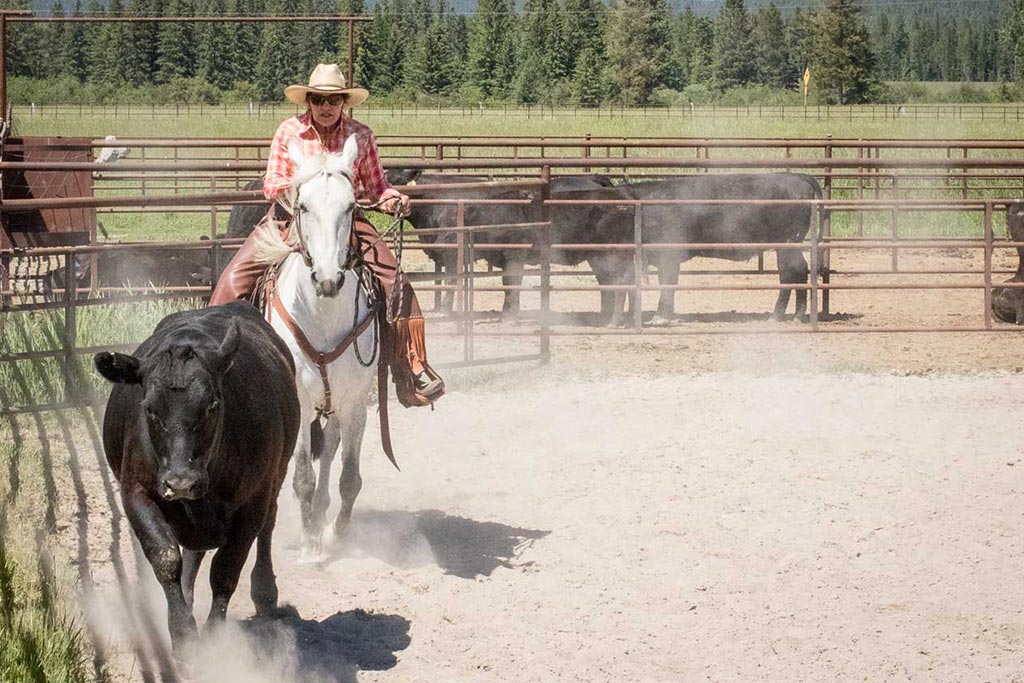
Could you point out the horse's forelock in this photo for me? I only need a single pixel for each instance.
(308, 169)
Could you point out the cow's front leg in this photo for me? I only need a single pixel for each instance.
(229, 559)
(160, 547)
(512, 276)
(668, 274)
(191, 559)
(1018, 305)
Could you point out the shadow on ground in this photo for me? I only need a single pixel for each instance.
(332, 650)
(461, 547)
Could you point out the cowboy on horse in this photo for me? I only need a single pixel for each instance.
(323, 129)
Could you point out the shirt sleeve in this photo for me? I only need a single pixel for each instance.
(371, 173)
(280, 169)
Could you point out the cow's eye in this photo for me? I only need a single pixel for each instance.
(213, 405)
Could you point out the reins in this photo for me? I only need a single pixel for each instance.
(366, 283)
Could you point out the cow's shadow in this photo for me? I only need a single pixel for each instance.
(332, 650)
(461, 547)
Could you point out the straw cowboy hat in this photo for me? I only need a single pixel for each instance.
(326, 79)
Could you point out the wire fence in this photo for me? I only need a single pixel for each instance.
(1011, 112)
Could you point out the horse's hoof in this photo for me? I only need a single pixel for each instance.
(310, 555)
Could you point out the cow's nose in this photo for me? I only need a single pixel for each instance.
(186, 485)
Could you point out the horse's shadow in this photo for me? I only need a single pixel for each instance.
(333, 650)
(461, 547)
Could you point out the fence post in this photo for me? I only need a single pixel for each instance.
(895, 224)
(988, 265)
(826, 231)
(638, 266)
(545, 269)
(70, 328)
(469, 352)
(815, 260)
(460, 272)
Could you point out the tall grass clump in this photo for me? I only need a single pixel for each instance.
(39, 641)
(34, 381)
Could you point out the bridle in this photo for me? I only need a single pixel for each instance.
(352, 260)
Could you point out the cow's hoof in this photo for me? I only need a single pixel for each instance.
(285, 611)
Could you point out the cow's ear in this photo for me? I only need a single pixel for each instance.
(228, 348)
(119, 368)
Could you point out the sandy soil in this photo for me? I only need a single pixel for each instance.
(776, 507)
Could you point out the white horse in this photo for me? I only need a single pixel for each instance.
(328, 306)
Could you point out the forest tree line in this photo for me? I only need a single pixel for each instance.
(569, 52)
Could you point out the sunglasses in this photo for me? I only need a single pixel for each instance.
(321, 100)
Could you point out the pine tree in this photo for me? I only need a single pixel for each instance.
(843, 62)
(350, 8)
(584, 29)
(702, 35)
(76, 45)
(175, 57)
(543, 59)
(491, 53)
(733, 61)
(95, 56)
(771, 53)
(380, 56)
(1011, 43)
(800, 39)
(588, 85)
(639, 34)
(214, 48)
(245, 44)
(142, 43)
(117, 42)
(277, 66)
(55, 35)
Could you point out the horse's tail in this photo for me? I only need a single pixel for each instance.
(316, 440)
(271, 246)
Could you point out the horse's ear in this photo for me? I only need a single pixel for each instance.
(295, 152)
(349, 153)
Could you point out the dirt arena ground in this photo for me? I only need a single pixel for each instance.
(774, 507)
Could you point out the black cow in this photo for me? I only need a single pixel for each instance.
(510, 261)
(729, 223)
(201, 451)
(244, 217)
(1008, 302)
(141, 268)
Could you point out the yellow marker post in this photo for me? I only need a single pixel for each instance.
(807, 80)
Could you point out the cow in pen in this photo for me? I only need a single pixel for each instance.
(1008, 302)
(728, 223)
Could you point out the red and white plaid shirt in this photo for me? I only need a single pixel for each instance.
(368, 179)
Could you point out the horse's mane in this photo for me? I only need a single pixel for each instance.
(270, 246)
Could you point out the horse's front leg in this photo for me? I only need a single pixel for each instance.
(304, 486)
(327, 448)
(353, 424)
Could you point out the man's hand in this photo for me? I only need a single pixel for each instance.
(401, 203)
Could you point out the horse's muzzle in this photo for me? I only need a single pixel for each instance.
(330, 288)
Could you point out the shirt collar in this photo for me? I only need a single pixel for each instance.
(309, 133)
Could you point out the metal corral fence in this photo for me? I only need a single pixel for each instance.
(370, 110)
(467, 281)
(951, 168)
